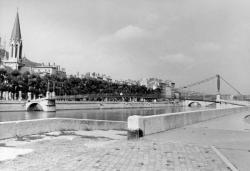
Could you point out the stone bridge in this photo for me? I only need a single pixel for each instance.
(218, 102)
(201, 103)
(44, 104)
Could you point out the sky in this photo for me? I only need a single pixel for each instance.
(179, 40)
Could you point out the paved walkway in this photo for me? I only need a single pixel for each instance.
(229, 134)
(107, 150)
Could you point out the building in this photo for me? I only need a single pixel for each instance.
(44, 69)
(97, 76)
(3, 53)
(154, 83)
(14, 59)
(131, 82)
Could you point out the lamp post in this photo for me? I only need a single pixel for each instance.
(121, 94)
(20, 93)
(48, 93)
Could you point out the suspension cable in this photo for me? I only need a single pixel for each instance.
(198, 83)
(230, 85)
(207, 80)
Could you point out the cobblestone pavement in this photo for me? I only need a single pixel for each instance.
(88, 153)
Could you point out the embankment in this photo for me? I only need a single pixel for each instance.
(6, 106)
(69, 105)
(28, 127)
(145, 125)
(78, 105)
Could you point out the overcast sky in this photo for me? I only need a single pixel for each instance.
(180, 40)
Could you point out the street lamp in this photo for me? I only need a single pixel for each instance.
(121, 94)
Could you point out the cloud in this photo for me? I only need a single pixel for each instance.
(207, 47)
(130, 32)
(127, 40)
(177, 58)
(141, 39)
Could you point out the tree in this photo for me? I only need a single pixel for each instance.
(27, 82)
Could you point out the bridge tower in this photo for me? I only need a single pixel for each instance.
(218, 88)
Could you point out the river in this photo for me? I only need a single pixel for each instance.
(97, 114)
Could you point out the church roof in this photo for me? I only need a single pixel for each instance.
(29, 63)
(16, 31)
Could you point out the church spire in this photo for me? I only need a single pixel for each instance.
(15, 53)
(16, 31)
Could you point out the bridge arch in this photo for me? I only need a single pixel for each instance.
(47, 105)
(34, 107)
(194, 104)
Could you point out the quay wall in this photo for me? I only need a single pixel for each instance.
(77, 105)
(62, 105)
(29, 127)
(12, 106)
(146, 125)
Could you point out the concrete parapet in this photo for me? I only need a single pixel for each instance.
(134, 125)
(29, 127)
(158, 123)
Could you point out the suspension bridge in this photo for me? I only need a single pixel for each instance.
(180, 93)
(193, 97)
(183, 94)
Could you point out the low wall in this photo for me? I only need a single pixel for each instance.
(28, 127)
(157, 123)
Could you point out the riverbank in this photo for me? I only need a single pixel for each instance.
(8, 106)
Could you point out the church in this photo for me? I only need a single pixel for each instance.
(14, 60)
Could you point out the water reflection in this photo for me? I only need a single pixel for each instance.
(38, 115)
(97, 114)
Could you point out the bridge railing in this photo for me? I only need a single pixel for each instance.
(199, 98)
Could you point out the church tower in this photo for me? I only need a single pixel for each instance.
(14, 60)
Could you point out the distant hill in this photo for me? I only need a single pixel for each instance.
(29, 63)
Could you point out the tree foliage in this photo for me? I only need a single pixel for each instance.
(38, 85)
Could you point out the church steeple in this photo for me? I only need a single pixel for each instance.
(16, 31)
(15, 53)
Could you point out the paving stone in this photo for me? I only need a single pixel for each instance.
(119, 155)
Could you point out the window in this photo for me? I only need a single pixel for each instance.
(16, 51)
(12, 50)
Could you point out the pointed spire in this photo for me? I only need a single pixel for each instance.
(16, 32)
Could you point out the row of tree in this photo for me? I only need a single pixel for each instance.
(38, 85)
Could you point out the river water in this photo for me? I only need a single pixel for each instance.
(97, 114)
